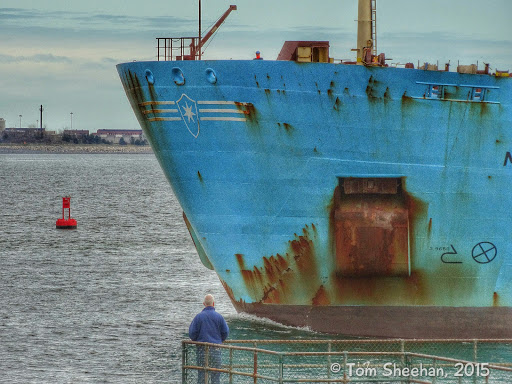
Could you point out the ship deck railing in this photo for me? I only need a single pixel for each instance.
(422, 361)
(177, 48)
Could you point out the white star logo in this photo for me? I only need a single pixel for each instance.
(187, 111)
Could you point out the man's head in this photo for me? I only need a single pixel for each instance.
(209, 301)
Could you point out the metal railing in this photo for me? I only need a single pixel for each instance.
(348, 361)
(177, 48)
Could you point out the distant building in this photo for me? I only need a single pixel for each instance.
(76, 132)
(23, 134)
(24, 131)
(115, 135)
(2, 124)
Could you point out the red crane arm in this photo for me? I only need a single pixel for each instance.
(213, 29)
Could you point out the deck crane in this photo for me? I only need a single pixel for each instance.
(196, 50)
(188, 48)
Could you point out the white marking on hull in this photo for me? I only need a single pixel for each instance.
(222, 102)
(223, 119)
(189, 114)
(220, 111)
(156, 103)
(164, 119)
(155, 111)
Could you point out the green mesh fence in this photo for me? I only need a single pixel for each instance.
(348, 361)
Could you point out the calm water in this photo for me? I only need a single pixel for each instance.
(111, 301)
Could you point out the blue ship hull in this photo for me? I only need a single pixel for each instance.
(370, 201)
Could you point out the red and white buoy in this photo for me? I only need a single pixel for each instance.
(68, 223)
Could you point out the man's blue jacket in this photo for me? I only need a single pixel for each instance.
(209, 327)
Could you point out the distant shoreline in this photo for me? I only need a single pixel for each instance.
(73, 148)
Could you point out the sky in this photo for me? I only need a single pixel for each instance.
(62, 53)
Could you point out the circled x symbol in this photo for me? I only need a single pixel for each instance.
(484, 252)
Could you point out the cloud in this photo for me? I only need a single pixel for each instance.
(37, 58)
(30, 19)
(109, 60)
(17, 14)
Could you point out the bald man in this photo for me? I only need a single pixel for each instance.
(209, 327)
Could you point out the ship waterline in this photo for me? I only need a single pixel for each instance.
(341, 197)
(407, 322)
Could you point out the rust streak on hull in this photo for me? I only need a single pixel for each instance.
(282, 279)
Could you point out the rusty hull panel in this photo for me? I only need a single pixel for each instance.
(372, 235)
